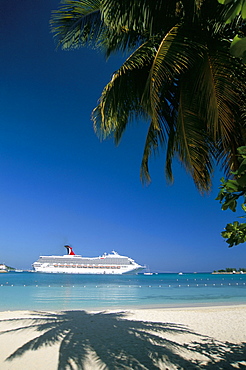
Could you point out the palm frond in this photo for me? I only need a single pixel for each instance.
(147, 17)
(120, 101)
(194, 147)
(174, 56)
(229, 75)
(77, 23)
(153, 140)
(158, 139)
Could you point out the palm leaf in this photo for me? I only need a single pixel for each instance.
(230, 90)
(120, 101)
(160, 138)
(174, 56)
(146, 18)
(192, 142)
(77, 23)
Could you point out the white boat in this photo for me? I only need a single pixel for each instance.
(3, 268)
(148, 272)
(72, 263)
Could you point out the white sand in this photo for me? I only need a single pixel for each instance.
(178, 338)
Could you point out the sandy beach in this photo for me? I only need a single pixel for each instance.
(177, 338)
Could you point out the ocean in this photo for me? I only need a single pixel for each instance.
(40, 291)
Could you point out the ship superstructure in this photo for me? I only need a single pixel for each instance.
(72, 263)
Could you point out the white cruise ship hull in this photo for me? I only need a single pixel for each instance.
(109, 264)
(88, 270)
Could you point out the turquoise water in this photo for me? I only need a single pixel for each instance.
(36, 291)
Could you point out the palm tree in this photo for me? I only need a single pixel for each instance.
(179, 76)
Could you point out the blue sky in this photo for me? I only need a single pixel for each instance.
(61, 185)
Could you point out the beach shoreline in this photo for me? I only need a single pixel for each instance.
(174, 338)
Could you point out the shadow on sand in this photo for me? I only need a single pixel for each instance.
(120, 343)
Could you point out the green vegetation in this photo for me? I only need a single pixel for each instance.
(231, 191)
(179, 76)
(232, 270)
(8, 267)
(237, 11)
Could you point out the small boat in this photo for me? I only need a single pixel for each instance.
(148, 272)
(3, 268)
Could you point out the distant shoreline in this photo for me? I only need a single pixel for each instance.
(228, 273)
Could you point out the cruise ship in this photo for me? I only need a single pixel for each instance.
(72, 263)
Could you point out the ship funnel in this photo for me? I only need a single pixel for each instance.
(69, 250)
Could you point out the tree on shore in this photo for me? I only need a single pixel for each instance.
(231, 192)
(179, 76)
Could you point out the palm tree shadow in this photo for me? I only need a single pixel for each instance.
(116, 342)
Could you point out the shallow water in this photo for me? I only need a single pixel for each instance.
(38, 291)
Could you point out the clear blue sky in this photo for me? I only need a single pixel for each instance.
(60, 185)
